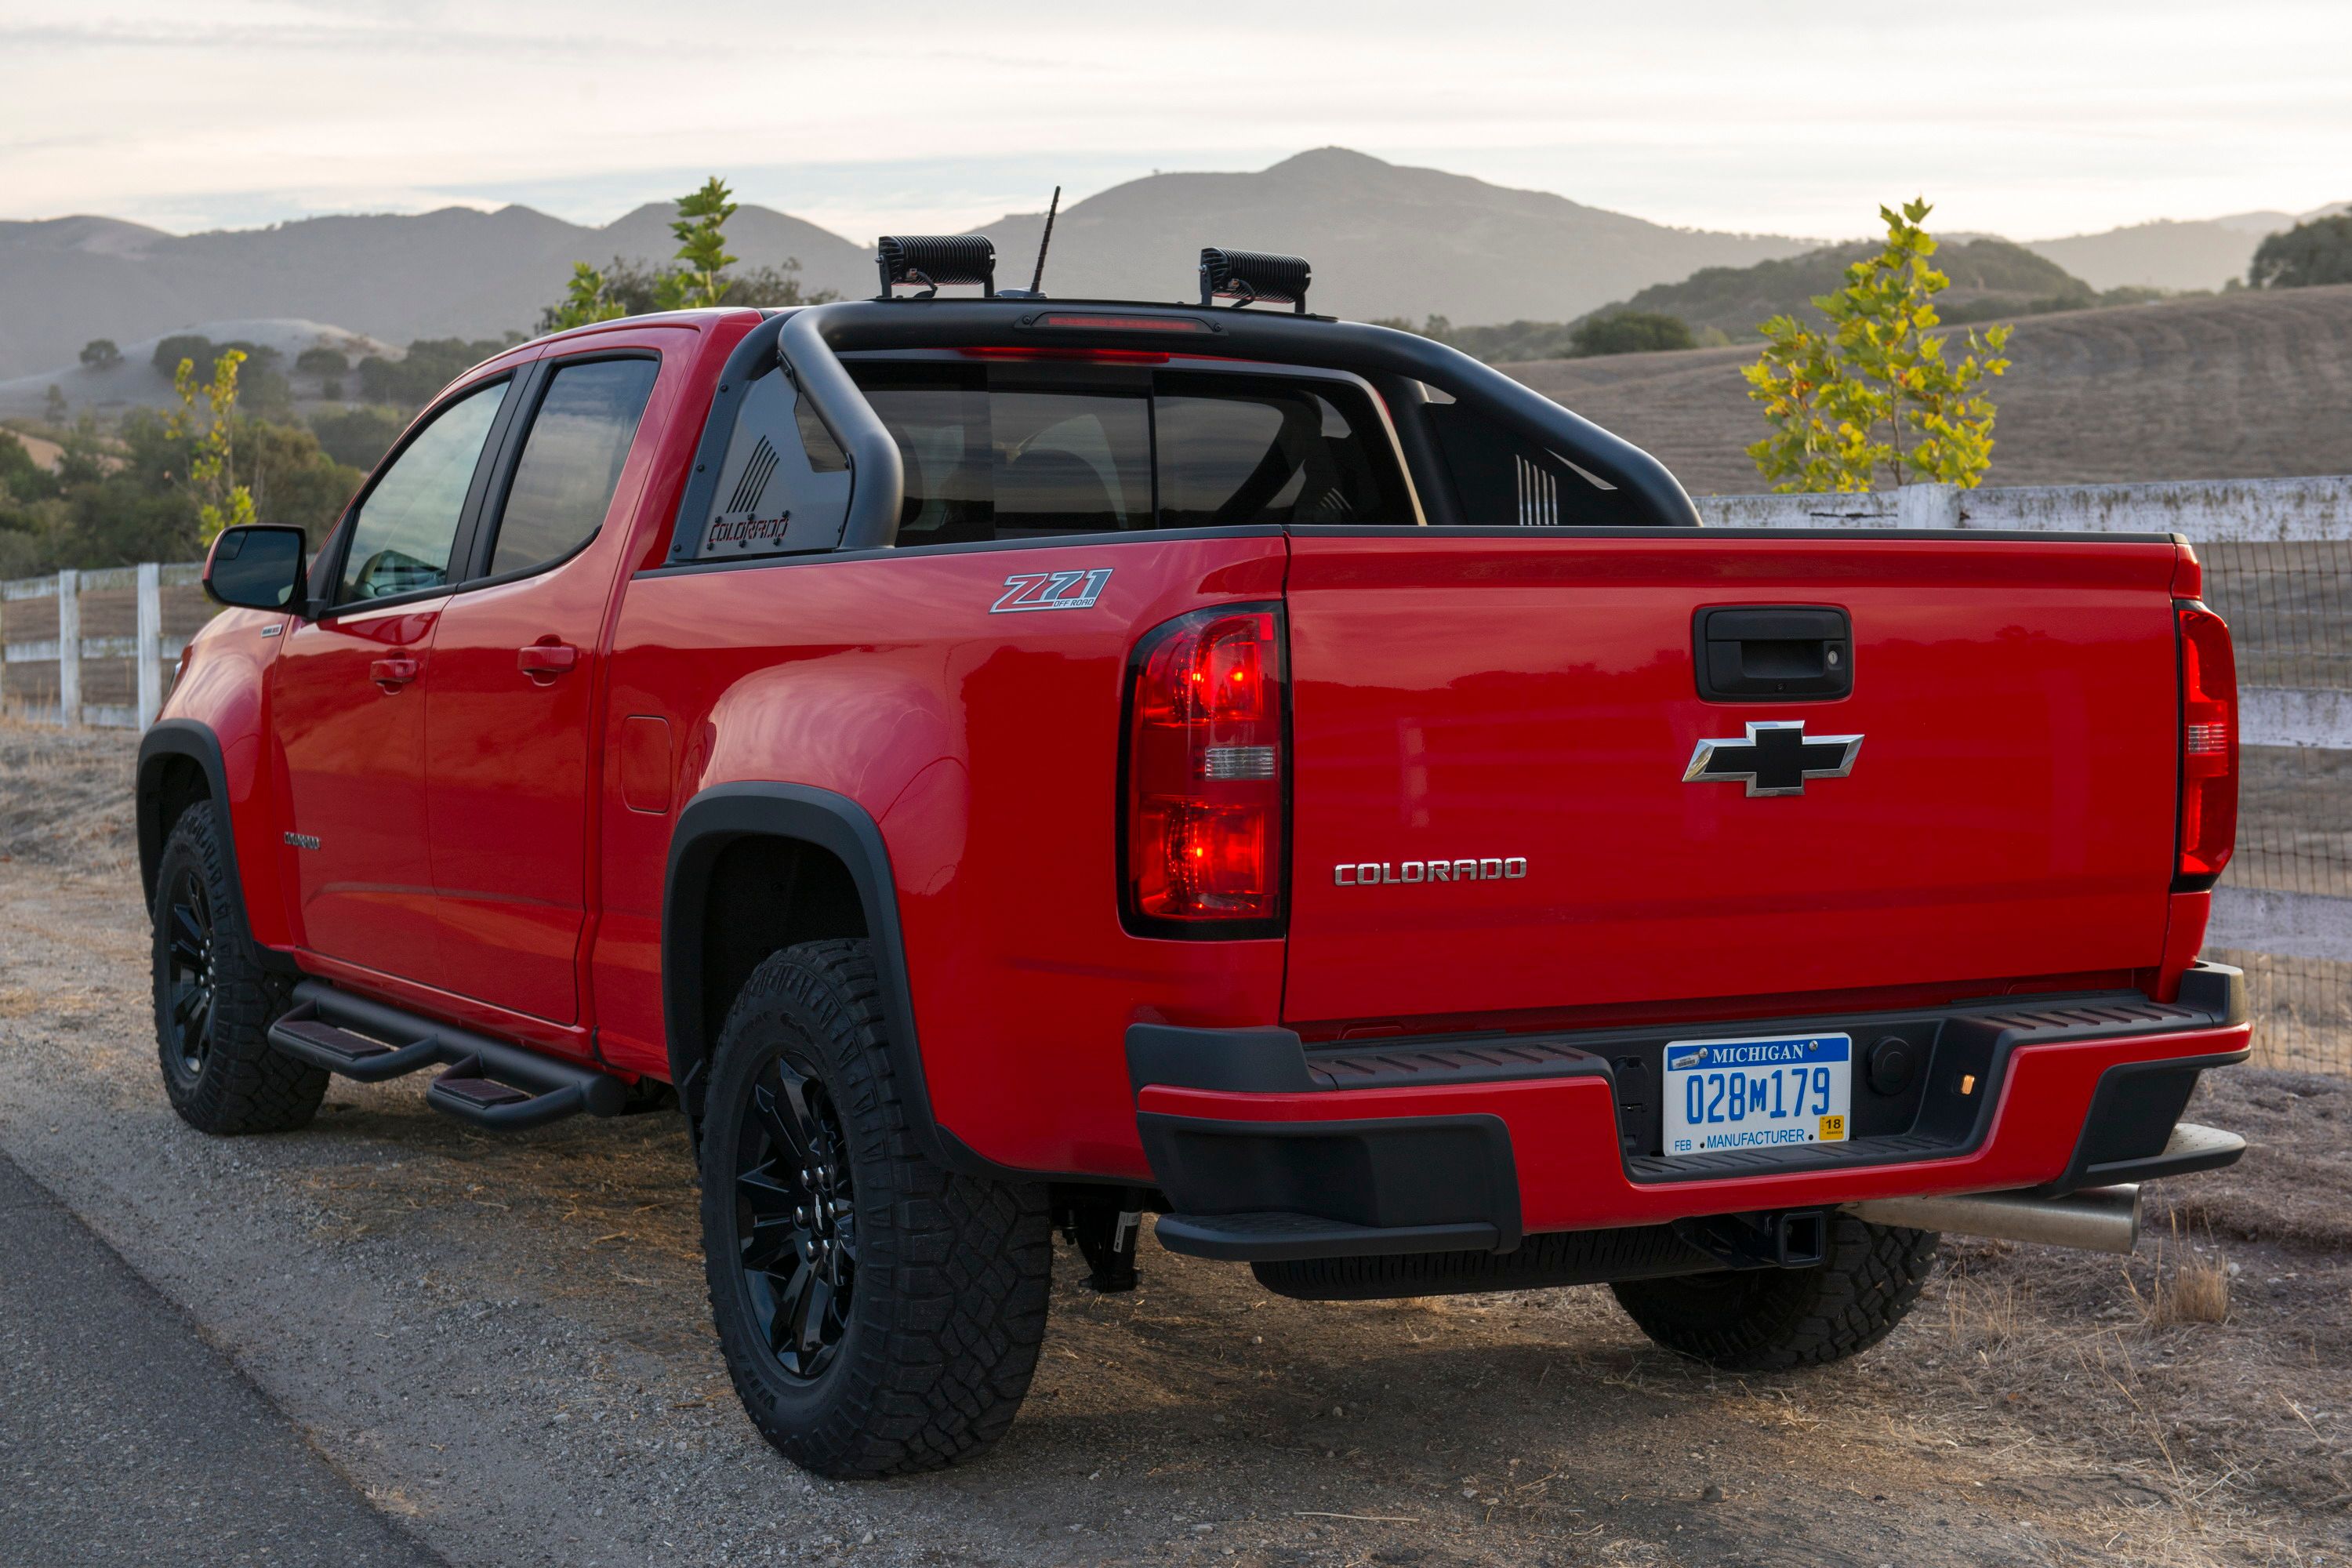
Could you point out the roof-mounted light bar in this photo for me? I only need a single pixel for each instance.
(1245, 277)
(934, 259)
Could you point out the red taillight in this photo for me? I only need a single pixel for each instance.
(2209, 747)
(1205, 776)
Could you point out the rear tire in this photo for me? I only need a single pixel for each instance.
(880, 1315)
(213, 1000)
(1770, 1320)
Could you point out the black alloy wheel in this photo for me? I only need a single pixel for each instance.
(795, 1218)
(193, 985)
(214, 996)
(880, 1314)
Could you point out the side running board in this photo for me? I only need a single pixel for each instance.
(488, 1082)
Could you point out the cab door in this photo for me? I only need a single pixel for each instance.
(509, 743)
(348, 694)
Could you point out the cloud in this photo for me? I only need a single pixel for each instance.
(2016, 116)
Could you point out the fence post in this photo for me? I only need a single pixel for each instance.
(1927, 506)
(69, 647)
(151, 642)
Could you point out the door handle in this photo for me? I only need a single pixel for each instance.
(1773, 652)
(543, 661)
(392, 674)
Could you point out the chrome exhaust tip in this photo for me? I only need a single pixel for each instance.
(2097, 1219)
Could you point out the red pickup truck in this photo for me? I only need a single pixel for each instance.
(1001, 764)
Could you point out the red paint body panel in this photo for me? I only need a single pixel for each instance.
(986, 748)
(225, 683)
(2008, 814)
(1565, 1142)
(512, 753)
(352, 754)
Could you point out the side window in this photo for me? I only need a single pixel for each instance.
(405, 529)
(1504, 480)
(571, 462)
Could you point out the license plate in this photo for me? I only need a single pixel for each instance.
(1770, 1092)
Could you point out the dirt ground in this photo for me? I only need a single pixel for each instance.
(503, 1341)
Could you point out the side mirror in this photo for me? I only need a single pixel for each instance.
(257, 568)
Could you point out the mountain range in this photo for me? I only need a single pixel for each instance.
(1387, 240)
(2172, 255)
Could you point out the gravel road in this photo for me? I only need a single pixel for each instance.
(500, 1344)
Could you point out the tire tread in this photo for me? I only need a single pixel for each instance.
(967, 1261)
(247, 1085)
(1778, 1319)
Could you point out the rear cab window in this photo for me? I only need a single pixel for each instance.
(1008, 449)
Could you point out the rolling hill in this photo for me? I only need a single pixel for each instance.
(2202, 254)
(1387, 240)
(2230, 386)
(1989, 276)
(136, 383)
(452, 273)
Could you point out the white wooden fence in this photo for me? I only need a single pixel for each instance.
(97, 648)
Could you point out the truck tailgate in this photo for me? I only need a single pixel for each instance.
(1521, 711)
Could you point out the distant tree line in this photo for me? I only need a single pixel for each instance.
(1616, 332)
(139, 493)
(2310, 254)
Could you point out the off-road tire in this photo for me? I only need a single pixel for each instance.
(232, 1082)
(946, 1305)
(1773, 1320)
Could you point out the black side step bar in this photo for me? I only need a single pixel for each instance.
(489, 1083)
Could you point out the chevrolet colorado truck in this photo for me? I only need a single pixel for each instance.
(1001, 764)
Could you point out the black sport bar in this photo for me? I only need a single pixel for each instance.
(810, 341)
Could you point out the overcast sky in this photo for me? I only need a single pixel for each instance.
(2030, 117)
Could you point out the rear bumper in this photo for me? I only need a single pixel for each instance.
(1266, 1151)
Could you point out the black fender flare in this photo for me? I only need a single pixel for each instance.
(726, 813)
(180, 738)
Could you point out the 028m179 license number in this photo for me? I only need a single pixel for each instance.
(1764, 1093)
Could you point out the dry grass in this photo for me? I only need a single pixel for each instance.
(2245, 386)
(65, 798)
(2196, 1291)
(2191, 1283)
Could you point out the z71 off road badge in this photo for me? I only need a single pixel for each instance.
(1051, 591)
(1776, 758)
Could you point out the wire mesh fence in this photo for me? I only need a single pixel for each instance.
(2287, 895)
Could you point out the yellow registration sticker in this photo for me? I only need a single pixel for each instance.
(1833, 1129)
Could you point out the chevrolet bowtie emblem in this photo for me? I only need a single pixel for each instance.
(1775, 758)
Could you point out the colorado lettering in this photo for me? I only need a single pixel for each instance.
(1370, 873)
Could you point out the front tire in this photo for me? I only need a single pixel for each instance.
(1771, 1320)
(213, 1000)
(880, 1315)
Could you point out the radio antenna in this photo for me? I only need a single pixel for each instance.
(1037, 279)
